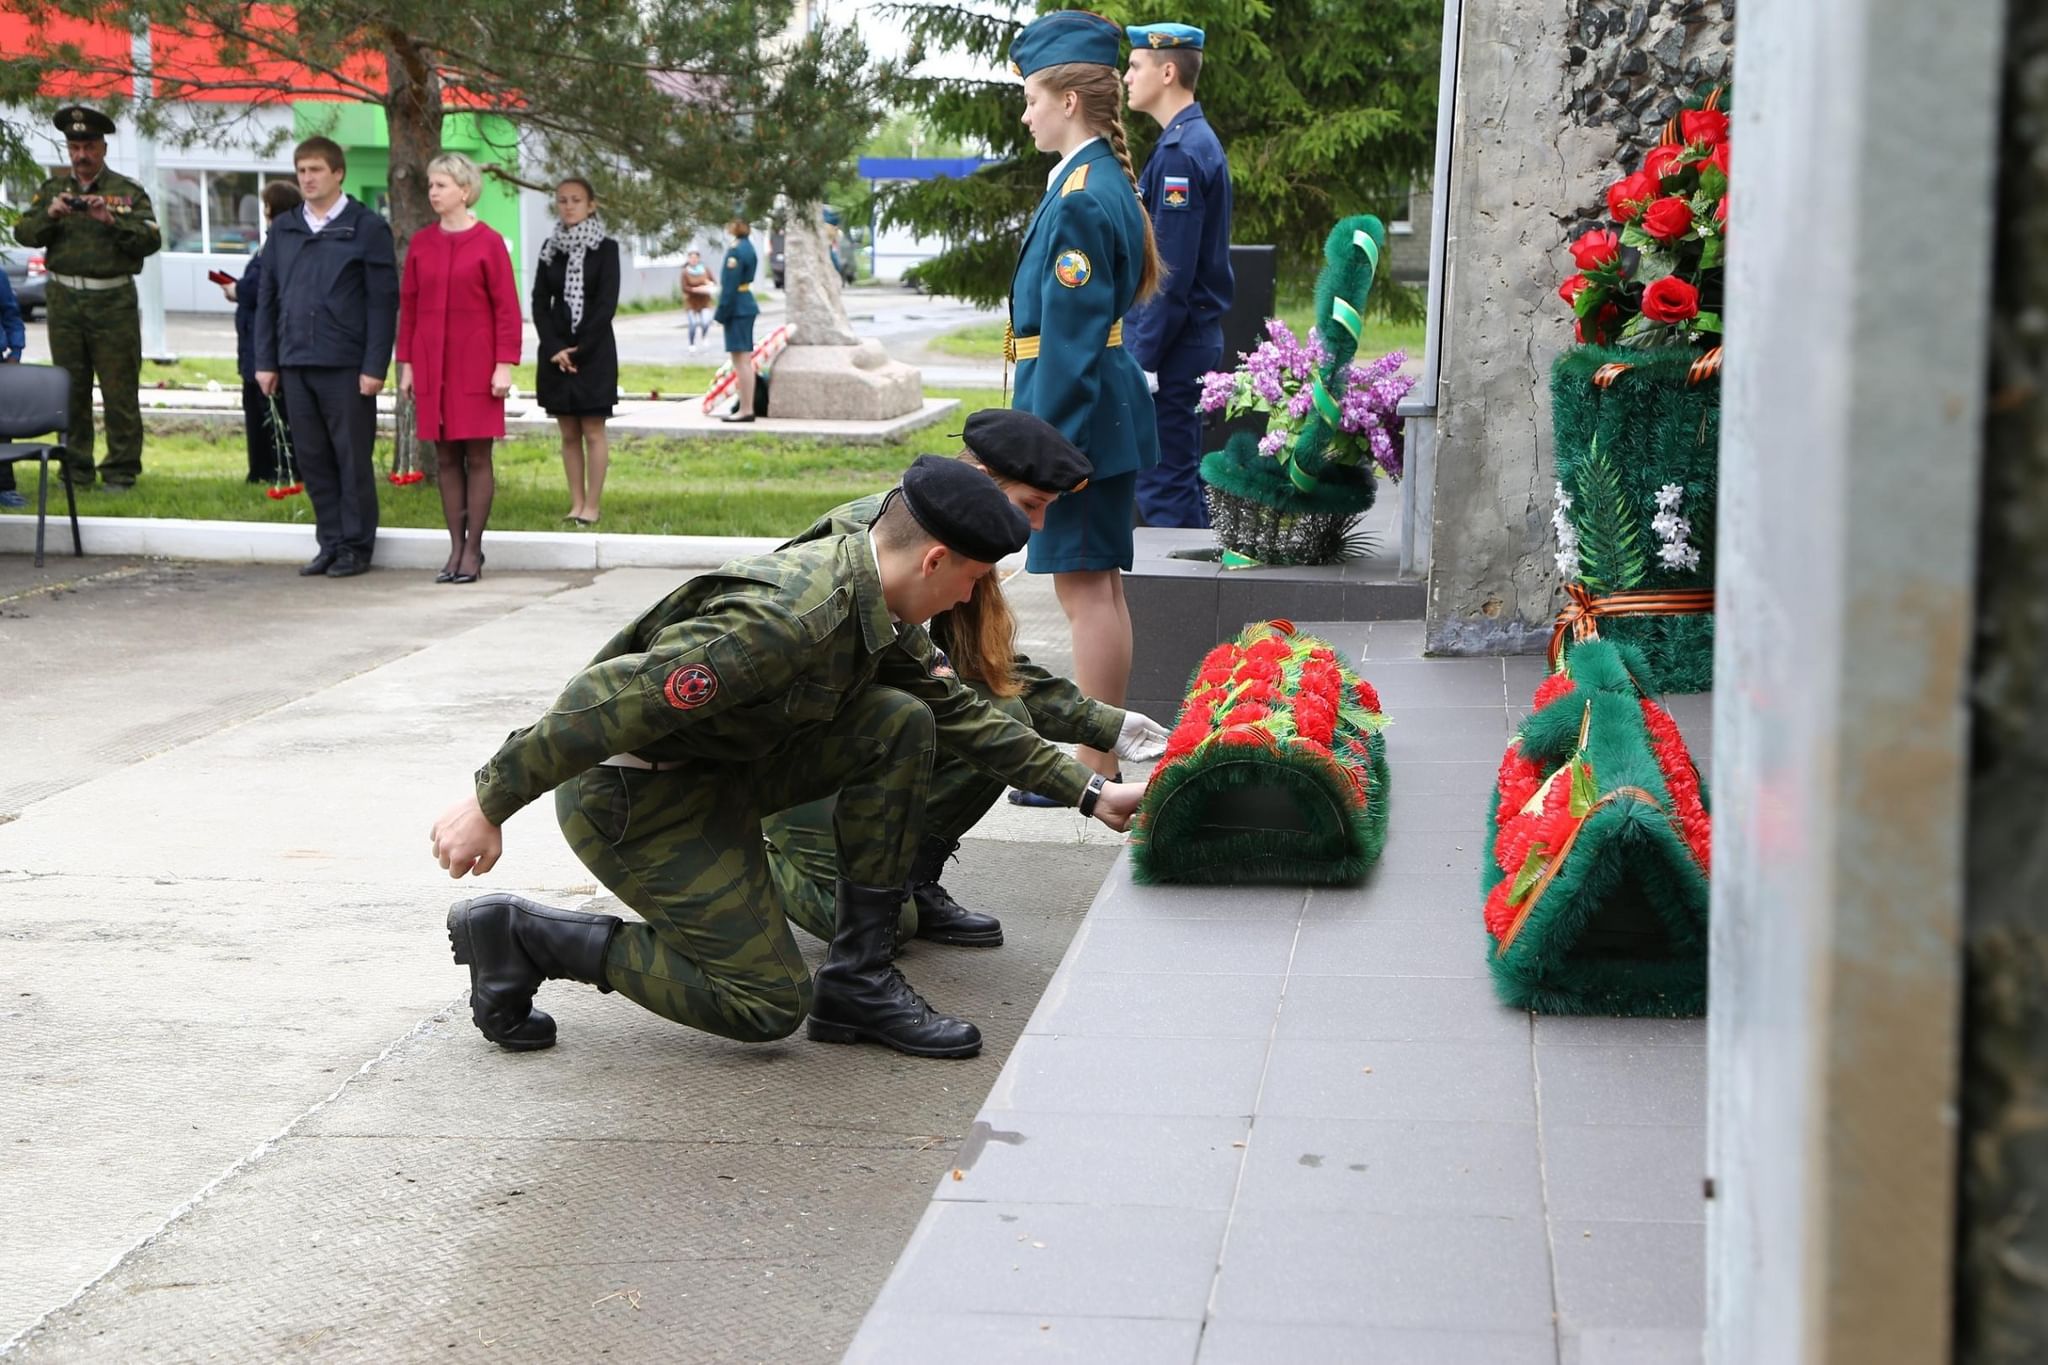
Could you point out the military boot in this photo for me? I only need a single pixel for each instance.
(940, 918)
(510, 946)
(861, 997)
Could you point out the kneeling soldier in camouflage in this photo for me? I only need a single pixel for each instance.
(1034, 465)
(765, 684)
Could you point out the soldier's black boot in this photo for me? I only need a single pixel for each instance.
(861, 997)
(511, 945)
(940, 918)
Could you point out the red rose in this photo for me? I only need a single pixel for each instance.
(1594, 249)
(1670, 300)
(1719, 160)
(1662, 159)
(1608, 313)
(1626, 197)
(1721, 210)
(1668, 219)
(1703, 126)
(1573, 286)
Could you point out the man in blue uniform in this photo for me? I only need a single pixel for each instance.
(1178, 336)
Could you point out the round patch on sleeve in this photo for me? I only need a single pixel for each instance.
(1071, 268)
(690, 686)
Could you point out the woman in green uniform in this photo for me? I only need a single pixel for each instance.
(1088, 256)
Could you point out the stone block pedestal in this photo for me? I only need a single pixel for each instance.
(850, 383)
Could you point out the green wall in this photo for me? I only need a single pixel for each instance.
(360, 130)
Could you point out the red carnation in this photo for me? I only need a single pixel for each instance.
(1708, 127)
(1594, 249)
(1245, 735)
(1573, 286)
(1367, 696)
(1499, 914)
(1668, 219)
(1551, 688)
(1250, 713)
(1670, 300)
(1519, 778)
(1224, 656)
(1269, 648)
(1323, 654)
(1625, 199)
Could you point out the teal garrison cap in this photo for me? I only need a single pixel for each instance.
(1066, 35)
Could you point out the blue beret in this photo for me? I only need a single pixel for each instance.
(1165, 35)
(1066, 35)
(962, 509)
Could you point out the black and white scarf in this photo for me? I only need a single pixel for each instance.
(575, 241)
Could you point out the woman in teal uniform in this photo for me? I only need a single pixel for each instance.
(1088, 256)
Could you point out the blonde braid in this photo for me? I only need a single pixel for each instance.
(1150, 272)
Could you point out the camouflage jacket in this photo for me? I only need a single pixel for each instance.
(1059, 710)
(77, 244)
(736, 665)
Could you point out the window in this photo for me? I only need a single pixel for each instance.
(216, 213)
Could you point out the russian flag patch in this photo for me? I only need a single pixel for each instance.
(1176, 188)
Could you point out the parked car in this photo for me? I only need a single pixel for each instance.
(24, 266)
(847, 251)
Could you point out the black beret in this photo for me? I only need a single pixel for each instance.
(1022, 446)
(77, 121)
(963, 510)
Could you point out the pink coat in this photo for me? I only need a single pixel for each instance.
(458, 315)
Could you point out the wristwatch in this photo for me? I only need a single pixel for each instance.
(1093, 793)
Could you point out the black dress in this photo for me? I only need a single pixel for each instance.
(591, 391)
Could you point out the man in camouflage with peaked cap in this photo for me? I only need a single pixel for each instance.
(95, 229)
(761, 685)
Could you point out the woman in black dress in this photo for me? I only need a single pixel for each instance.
(575, 293)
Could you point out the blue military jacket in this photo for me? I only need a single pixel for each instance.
(736, 283)
(1186, 188)
(1076, 278)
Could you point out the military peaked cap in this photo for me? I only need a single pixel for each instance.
(1028, 449)
(76, 121)
(963, 510)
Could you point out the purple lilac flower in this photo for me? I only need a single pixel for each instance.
(1218, 388)
(1263, 366)
(1384, 453)
(1278, 331)
(1298, 406)
(1270, 444)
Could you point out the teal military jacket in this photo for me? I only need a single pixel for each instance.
(77, 243)
(736, 665)
(1059, 710)
(1076, 278)
(736, 283)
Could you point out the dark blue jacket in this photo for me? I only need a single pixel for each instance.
(246, 290)
(328, 299)
(13, 335)
(1186, 189)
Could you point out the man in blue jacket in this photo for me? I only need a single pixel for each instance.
(13, 343)
(1178, 336)
(326, 318)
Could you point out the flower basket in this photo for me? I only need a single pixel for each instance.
(1276, 771)
(1637, 440)
(1258, 513)
(1599, 851)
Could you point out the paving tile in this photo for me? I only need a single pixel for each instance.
(1415, 1008)
(1430, 775)
(1565, 1030)
(1370, 946)
(1633, 1346)
(1447, 734)
(1123, 899)
(1242, 599)
(1154, 1005)
(1390, 1080)
(1409, 1167)
(1395, 640)
(1238, 1342)
(1431, 684)
(1383, 1270)
(1443, 897)
(1130, 1076)
(1376, 598)
(1625, 1172)
(1187, 947)
(1631, 1275)
(1656, 1085)
(905, 1338)
(1434, 852)
(1346, 637)
(1525, 673)
(1459, 812)
(1176, 1162)
(1064, 1259)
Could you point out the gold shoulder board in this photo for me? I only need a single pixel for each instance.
(1076, 181)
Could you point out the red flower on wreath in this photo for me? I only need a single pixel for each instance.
(1662, 159)
(1682, 780)
(1670, 300)
(1626, 197)
(1251, 713)
(1703, 127)
(1518, 780)
(1594, 249)
(1573, 286)
(1597, 334)
(1668, 219)
(1367, 696)
(1551, 688)
(1719, 160)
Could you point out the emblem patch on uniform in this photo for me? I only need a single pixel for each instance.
(1175, 191)
(732, 263)
(942, 667)
(690, 686)
(1071, 268)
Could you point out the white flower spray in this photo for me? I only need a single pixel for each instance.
(1673, 530)
(1567, 535)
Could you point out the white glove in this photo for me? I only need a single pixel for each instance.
(1141, 739)
(1151, 386)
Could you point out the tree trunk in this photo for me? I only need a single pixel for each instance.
(412, 117)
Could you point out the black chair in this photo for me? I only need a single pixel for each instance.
(35, 400)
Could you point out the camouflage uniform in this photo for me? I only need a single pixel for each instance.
(767, 683)
(961, 792)
(96, 330)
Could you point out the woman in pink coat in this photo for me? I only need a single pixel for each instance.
(458, 338)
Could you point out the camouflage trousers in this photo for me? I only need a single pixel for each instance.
(803, 839)
(99, 331)
(684, 848)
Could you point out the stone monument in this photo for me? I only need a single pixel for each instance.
(827, 371)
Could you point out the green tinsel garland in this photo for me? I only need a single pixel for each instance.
(1615, 448)
(1246, 797)
(1604, 910)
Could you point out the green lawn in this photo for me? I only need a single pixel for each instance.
(753, 486)
(977, 341)
(637, 379)
(984, 340)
